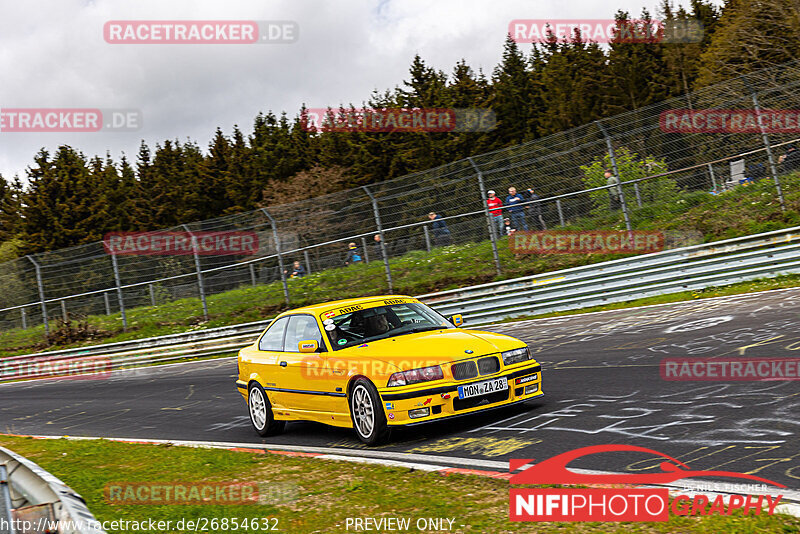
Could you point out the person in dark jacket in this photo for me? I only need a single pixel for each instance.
(515, 210)
(298, 271)
(508, 229)
(353, 254)
(377, 249)
(535, 210)
(441, 234)
(791, 160)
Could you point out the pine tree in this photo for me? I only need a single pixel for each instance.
(683, 58)
(63, 205)
(572, 80)
(467, 91)
(750, 36)
(241, 191)
(10, 193)
(513, 92)
(636, 68)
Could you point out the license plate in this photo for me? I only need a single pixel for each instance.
(482, 388)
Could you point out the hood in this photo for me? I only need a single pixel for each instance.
(437, 347)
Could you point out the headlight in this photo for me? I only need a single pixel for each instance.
(511, 357)
(425, 374)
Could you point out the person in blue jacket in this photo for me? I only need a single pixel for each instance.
(353, 254)
(441, 234)
(515, 209)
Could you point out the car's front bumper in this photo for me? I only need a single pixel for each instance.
(443, 401)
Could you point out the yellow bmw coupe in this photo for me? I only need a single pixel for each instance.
(379, 362)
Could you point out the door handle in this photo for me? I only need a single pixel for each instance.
(283, 364)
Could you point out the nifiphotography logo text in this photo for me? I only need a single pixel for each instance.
(618, 503)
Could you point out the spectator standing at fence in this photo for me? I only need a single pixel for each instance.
(495, 210)
(756, 171)
(353, 254)
(298, 271)
(791, 160)
(508, 228)
(441, 234)
(613, 190)
(377, 248)
(516, 210)
(535, 210)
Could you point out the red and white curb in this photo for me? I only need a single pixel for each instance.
(419, 462)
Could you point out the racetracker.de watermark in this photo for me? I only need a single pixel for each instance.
(729, 369)
(586, 242)
(69, 120)
(607, 30)
(78, 368)
(315, 368)
(201, 31)
(378, 120)
(181, 243)
(193, 493)
(730, 121)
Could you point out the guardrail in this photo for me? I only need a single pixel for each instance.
(130, 354)
(695, 267)
(28, 493)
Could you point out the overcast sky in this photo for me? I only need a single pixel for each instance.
(53, 55)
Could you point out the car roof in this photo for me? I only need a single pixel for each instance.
(319, 308)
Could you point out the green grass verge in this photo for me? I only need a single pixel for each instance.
(319, 495)
(743, 211)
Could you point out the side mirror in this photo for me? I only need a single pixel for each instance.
(457, 319)
(310, 345)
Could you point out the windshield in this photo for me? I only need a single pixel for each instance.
(362, 326)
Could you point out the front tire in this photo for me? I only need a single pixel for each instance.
(260, 410)
(366, 411)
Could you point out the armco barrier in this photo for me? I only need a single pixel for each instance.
(699, 266)
(29, 493)
(696, 267)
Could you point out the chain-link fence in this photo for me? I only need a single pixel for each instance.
(654, 162)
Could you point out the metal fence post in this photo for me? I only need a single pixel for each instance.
(200, 285)
(152, 295)
(713, 178)
(106, 302)
(119, 292)
(41, 294)
(24, 318)
(560, 212)
(64, 310)
(252, 274)
(364, 248)
(765, 139)
(308, 262)
(427, 237)
(615, 168)
(490, 224)
(638, 195)
(377, 215)
(280, 256)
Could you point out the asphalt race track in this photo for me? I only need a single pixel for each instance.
(601, 379)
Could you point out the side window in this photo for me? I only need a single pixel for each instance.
(302, 328)
(272, 340)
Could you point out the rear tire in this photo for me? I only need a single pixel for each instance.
(366, 411)
(260, 410)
